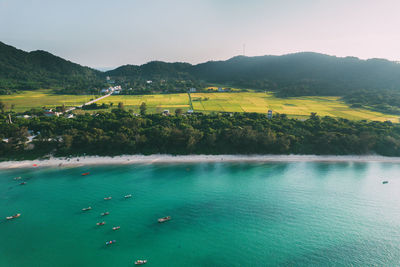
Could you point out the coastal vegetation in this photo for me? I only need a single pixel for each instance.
(120, 132)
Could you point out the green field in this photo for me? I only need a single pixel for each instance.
(40, 98)
(299, 107)
(155, 103)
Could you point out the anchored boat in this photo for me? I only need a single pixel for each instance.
(85, 173)
(107, 198)
(140, 262)
(13, 217)
(128, 196)
(116, 227)
(164, 219)
(110, 242)
(105, 213)
(88, 208)
(101, 223)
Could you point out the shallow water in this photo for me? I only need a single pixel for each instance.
(223, 214)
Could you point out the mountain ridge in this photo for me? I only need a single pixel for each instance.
(295, 74)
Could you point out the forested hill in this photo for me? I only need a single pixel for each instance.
(154, 69)
(303, 73)
(288, 75)
(20, 70)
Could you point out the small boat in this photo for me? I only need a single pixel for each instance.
(17, 178)
(105, 213)
(107, 198)
(116, 228)
(385, 182)
(101, 223)
(23, 183)
(13, 217)
(164, 219)
(88, 208)
(140, 262)
(110, 242)
(85, 173)
(128, 196)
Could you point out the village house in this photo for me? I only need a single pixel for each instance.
(51, 113)
(24, 116)
(105, 91)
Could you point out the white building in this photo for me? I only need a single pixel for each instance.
(269, 114)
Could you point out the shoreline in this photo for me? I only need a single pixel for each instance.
(158, 159)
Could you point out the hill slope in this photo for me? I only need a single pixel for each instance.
(303, 73)
(290, 75)
(40, 69)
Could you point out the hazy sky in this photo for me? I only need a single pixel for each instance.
(108, 33)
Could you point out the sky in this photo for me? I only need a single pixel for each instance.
(110, 33)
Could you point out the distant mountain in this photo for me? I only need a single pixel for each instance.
(153, 69)
(40, 69)
(303, 73)
(288, 75)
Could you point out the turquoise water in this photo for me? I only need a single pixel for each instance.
(286, 214)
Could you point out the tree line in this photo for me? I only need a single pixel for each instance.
(121, 132)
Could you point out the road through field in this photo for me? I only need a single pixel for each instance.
(91, 102)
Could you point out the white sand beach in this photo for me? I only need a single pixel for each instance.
(152, 159)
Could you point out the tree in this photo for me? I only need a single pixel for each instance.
(121, 105)
(2, 106)
(143, 109)
(178, 111)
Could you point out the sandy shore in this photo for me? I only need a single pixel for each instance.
(141, 159)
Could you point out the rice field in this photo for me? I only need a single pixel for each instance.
(42, 98)
(154, 103)
(299, 107)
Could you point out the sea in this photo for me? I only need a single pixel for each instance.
(222, 214)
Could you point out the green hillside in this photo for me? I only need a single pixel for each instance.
(20, 70)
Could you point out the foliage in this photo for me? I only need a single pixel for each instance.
(120, 132)
(382, 100)
(143, 109)
(2, 106)
(95, 106)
